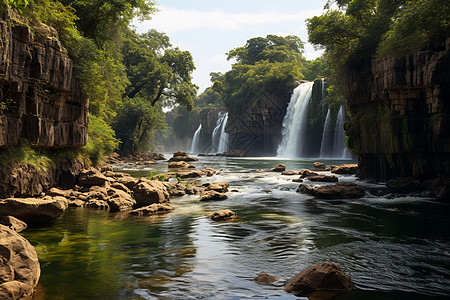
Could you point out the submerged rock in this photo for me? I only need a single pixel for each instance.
(341, 190)
(264, 278)
(403, 184)
(323, 178)
(305, 189)
(33, 210)
(152, 209)
(19, 269)
(290, 173)
(224, 214)
(319, 282)
(212, 195)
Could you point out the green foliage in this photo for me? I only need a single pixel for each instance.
(318, 68)
(208, 99)
(101, 140)
(264, 66)
(135, 124)
(25, 154)
(18, 5)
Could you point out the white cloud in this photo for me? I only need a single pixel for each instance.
(171, 20)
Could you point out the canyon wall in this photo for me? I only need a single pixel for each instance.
(400, 121)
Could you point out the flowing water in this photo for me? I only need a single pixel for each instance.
(394, 247)
(195, 147)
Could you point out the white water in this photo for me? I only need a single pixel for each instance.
(339, 148)
(195, 147)
(293, 132)
(326, 137)
(223, 138)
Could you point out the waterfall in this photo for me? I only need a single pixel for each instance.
(340, 150)
(294, 123)
(219, 136)
(223, 140)
(323, 91)
(195, 147)
(326, 143)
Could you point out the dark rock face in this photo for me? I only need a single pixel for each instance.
(33, 210)
(20, 270)
(44, 102)
(319, 282)
(400, 115)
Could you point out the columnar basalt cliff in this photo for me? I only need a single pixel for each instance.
(41, 103)
(400, 119)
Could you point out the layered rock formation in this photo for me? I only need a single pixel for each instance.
(42, 101)
(400, 115)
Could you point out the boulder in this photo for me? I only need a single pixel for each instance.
(279, 168)
(189, 174)
(152, 209)
(181, 156)
(441, 188)
(119, 200)
(121, 186)
(13, 223)
(319, 282)
(128, 181)
(147, 192)
(341, 190)
(33, 210)
(115, 175)
(217, 186)
(290, 173)
(175, 189)
(209, 171)
(297, 180)
(305, 189)
(306, 173)
(318, 166)
(97, 204)
(77, 203)
(323, 178)
(345, 169)
(224, 214)
(92, 177)
(180, 165)
(58, 192)
(212, 195)
(403, 184)
(264, 278)
(19, 268)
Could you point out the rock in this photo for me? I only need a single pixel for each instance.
(209, 171)
(189, 174)
(224, 214)
(106, 168)
(218, 187)
(345, 169)
(194, 190)
(403, 184)
(115, 175)
(121, 186)
(181, 156)
(290, 173)
(212, 195)
(279, 168)
(341, 190)
(97, 204)
(13, 223)
(77, 203)
(147, 192)
(33, 210)
(441, 189)
(323, 178)
(180, 165)
(175, 189)
(58, 192)
(318, 166)
(235, 153)
(152, 209)
(128, 181)
(264, 278)
(305, 189)
(119, 200)
(319, 282)
(92, 177)
(97, 193)
(297, 180)
(306, 173)
(19, 269)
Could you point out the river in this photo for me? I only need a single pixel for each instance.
(394, 247)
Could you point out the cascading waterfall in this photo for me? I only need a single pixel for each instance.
(326, 144)
(195, 147)
(219, 136)
(223, 139)
(339, 148)
(294, 123)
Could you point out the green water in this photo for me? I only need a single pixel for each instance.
(393, 247)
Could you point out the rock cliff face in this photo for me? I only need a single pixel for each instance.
(400, 119)
(40, 99)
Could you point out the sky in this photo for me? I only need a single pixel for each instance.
(209, 29)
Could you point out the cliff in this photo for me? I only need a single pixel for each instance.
(42, 102)
(399, 109)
